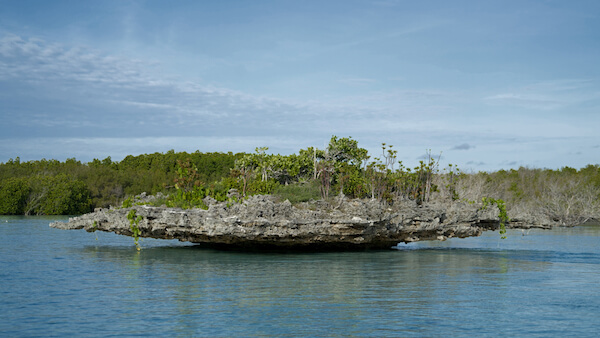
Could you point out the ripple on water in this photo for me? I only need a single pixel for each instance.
(56, 282)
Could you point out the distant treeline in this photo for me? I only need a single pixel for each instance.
(51, 187)
(566, 196)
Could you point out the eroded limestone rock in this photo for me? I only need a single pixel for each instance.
(260, 222)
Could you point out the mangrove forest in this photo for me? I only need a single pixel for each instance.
(567, 196)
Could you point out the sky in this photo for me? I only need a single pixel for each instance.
(485, 85)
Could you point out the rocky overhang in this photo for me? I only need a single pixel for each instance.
(259, 222)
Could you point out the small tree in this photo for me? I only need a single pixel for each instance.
(325, 171)
(13, 196)
(346, 150)
(187, 176)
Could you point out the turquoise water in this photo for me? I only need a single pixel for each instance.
(73, 283)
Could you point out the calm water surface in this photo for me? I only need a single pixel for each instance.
(57, 283)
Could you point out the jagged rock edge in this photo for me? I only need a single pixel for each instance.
(261, 223)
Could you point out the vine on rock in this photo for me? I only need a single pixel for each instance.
(94, 228)
(503, 215)
(134, 222)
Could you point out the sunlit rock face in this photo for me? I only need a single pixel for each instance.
(261, 223)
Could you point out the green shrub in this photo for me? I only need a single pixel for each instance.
(13, 196)
(57, 195)
(187, 200)
(299, 192)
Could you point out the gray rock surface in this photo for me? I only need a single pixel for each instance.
(260, 223)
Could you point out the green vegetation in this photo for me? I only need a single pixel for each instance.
(567, 196)
(44, 195)
(51, 187)
(134, 222)
(14, 192)
(299, 192)
(503, 215)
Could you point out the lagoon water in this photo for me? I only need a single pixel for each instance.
(73, 283)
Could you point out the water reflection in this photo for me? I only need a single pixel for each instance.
(198, 285)
(527, 285)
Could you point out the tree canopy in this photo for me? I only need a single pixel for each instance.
(47, 187)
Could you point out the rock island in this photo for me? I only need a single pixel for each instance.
(259, 222)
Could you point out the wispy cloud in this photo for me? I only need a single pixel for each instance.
(357, 81)
(464, 146)
(77, 101)
(87, 148)
(33, 60)
(126, 88)
(525, 100)
(548, 95)
(510, 163)
(77, 92)
(95, 94)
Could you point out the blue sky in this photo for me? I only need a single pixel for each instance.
(488, 84)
